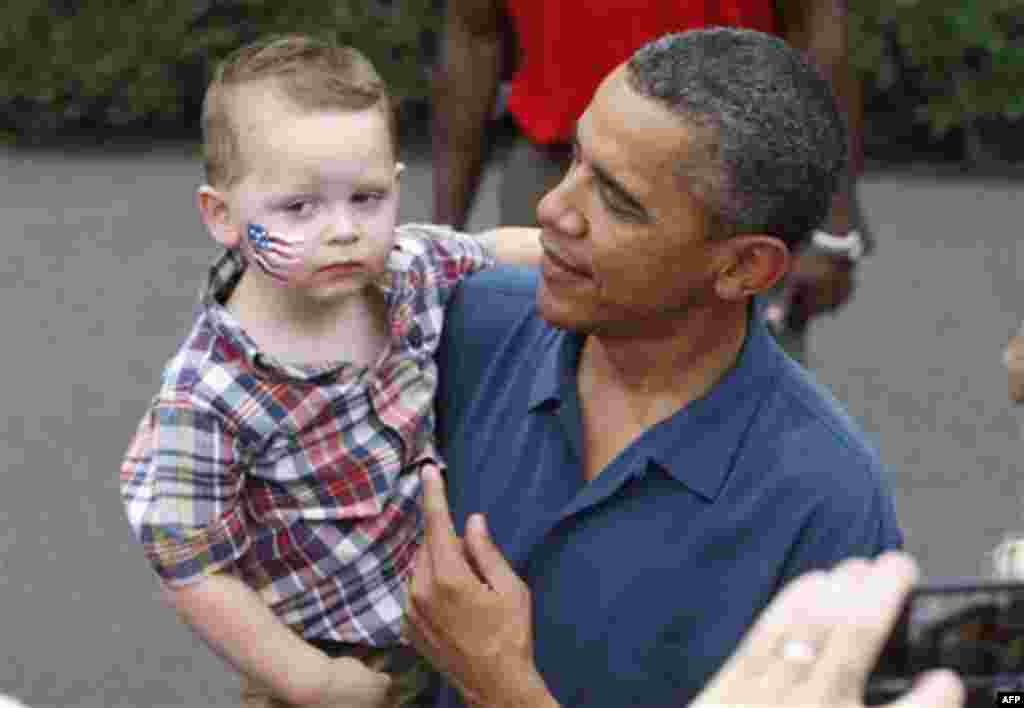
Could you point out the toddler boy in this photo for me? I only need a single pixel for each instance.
(273, 482)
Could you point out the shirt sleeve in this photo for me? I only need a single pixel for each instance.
(447, 255)
(180, 484)
(855, 525)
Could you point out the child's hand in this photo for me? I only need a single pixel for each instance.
(352, 685)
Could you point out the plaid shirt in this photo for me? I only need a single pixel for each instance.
(300, 480)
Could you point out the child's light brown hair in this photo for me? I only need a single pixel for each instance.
(312, 73)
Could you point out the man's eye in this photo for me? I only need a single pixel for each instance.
(616, 206)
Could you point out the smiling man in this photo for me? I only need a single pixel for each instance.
(650, 464)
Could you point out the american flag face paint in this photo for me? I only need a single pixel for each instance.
(278, 255)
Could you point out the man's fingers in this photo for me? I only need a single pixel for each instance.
(440, 539)
(419, 584)
(874, 594)
(487, 559)
(936, 689)
(422, 573)
(758, 652)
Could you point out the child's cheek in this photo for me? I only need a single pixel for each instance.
(283, 256)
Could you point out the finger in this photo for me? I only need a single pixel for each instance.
(873, 600)
(418, 586)
(487, 558)
(421, 637)
(936, 689)
(799, 299)
(758, 652)
(440, 540)
(422, 577)
(756, 668)
(416, 626)
(851, 572)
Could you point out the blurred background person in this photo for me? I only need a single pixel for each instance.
(555, 53)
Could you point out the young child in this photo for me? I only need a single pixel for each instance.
(273, 482)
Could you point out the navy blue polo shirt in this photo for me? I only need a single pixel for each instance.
(644, 579)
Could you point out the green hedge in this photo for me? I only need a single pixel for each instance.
(92, 65)
(141, 65)
(961, 63)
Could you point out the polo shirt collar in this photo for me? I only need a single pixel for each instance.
(697, 444)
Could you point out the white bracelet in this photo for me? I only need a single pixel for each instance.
(851, 245)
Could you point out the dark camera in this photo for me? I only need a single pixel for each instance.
(974, 627)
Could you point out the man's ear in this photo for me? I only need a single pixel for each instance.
(750, 264)
(214, 211)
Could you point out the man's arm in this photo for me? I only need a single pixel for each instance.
(237, 626)
(821, 29)
(465, 88)
(1013, 360)
(822, 281)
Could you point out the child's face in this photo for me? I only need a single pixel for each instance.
(317, 206)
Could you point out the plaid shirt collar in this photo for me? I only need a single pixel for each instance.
(222, 279)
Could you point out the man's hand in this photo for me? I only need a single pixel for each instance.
(469, 613)
(818, 283)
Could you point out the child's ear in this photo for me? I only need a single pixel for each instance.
(399, 169)
(213, 209)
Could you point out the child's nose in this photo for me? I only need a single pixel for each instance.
(344, 230)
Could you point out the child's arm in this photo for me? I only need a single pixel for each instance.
(512, 245)
(235, 623)
(184, 449)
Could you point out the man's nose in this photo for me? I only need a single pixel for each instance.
(558, 209)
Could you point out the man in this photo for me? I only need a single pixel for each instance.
(648, 461)
(814, 646)
(560, 51)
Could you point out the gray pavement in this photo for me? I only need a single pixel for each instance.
(104, 254)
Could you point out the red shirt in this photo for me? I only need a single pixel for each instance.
(566, 48)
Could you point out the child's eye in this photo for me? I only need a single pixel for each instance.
(300, 207)
(362, 198)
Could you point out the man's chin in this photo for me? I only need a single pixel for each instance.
(558, 312)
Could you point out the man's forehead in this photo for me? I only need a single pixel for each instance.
(631, 133)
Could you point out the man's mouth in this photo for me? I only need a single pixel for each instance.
(564, 264)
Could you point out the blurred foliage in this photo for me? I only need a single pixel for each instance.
(81, 66)
(102, 67)
(964, 59)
